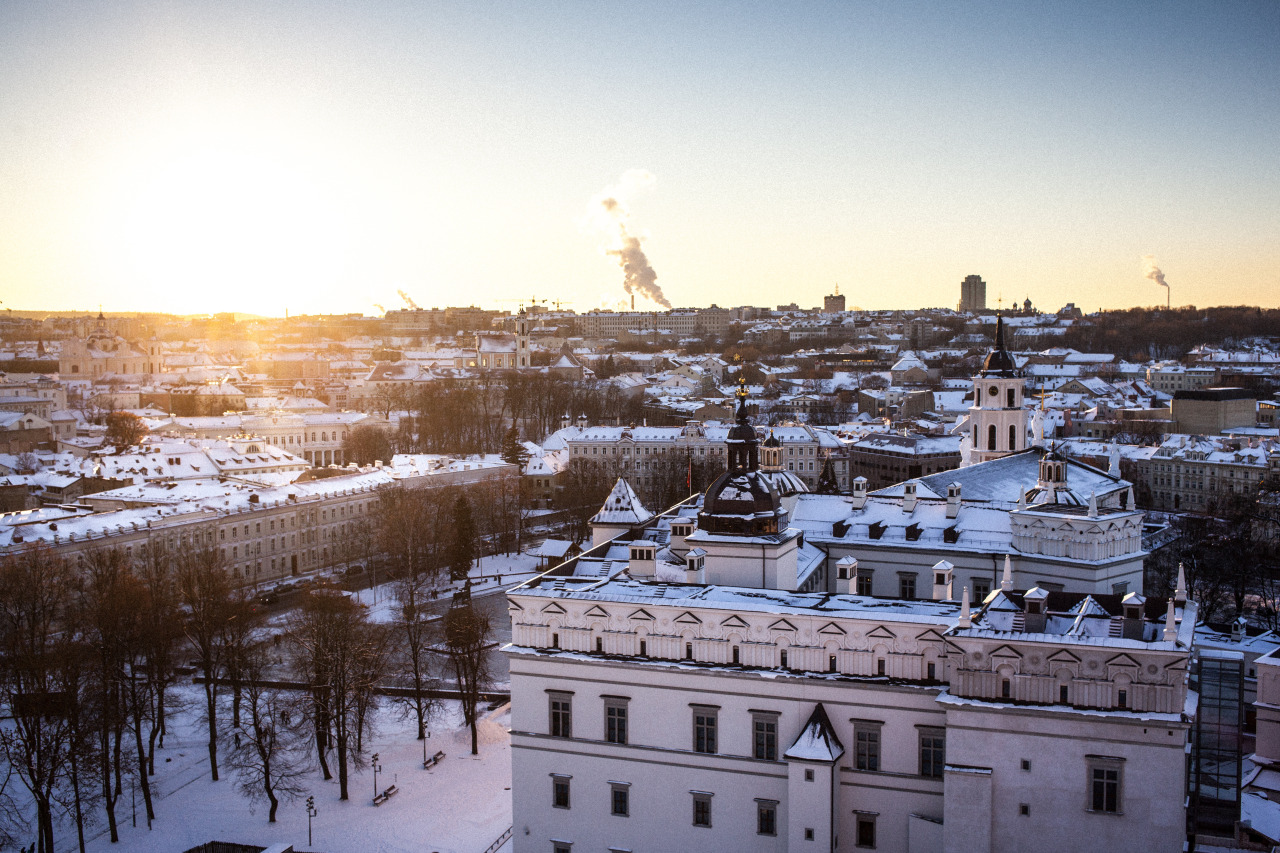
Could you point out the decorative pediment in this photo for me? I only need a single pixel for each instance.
(1006, 652)
(1063, 656)
(553, 608)
(1123, 659)
(782, 625)
(734, 621)
(687, 618)
(931, 636)
(512, 604)
(597, 610)
(880, 632)
(831, 628)
(642, 615)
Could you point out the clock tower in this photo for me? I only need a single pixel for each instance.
(996, 418)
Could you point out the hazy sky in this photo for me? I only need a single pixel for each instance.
(320, 156)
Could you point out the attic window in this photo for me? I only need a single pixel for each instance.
(840, 529)
(876, 530)
(951, 535)
(913, 532)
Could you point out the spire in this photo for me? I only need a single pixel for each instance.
(965, 620)
(999, 362)
(1006, 578)
(1170, 627)
(1093, 504)
(1113, 467)
(1180, 592)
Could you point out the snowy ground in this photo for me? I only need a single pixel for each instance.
(463, 804)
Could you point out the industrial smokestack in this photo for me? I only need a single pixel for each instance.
(608, 214)
(1151, 271)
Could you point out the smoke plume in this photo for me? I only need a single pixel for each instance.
(1153, 272)
(609, 215)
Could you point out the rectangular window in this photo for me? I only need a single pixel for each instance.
(704, 730)
(615, 720)
(561, 714)
(862, 584)
(766, 817)
(906, 586)
(560, 791)
(866, 834)
(981, 589)
(619, 799)
(866, 740)
(701, 809)
(1105, 779)
(933, 752)
(765, 731)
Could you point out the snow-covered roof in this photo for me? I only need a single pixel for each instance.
(622, 507)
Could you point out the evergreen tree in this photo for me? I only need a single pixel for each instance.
(462, 544)
(513, 452)
(827, 483)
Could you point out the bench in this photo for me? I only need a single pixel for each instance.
(386, 795)
(433, 760)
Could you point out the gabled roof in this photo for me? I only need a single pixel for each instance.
(817, 741)
(622, 507)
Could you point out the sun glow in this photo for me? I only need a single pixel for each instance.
(223, 224)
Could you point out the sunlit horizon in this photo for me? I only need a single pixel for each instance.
(195, 159)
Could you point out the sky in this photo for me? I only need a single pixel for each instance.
(321, 157)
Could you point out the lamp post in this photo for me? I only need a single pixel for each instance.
(311, 812)
(424, 749)
(376, 768)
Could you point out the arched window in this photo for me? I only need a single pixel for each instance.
(1013, 435)
(991, 437)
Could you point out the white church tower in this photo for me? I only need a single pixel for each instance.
(522, 340)
(996, 418)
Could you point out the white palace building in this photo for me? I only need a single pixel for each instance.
(721, 678)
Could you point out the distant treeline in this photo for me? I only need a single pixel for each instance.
(1141, 333)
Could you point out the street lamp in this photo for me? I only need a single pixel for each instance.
(311, 812)
(376, 768)
(424, 749)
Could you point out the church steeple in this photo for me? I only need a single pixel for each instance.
(999, 362)
(744, 447)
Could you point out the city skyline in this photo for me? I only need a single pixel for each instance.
(258, 158)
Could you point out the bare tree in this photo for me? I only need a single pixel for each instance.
(411, 658)
(344, 657)
(37, 744)
(269, 760)
(205, 592)
(466, 635)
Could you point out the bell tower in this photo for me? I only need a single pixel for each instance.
(997, 419)
(522, 340)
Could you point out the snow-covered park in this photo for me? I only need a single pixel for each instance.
(462, 804)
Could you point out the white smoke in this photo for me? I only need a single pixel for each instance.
(609, 215)
(1153, 272)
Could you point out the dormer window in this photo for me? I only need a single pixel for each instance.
(875, 531)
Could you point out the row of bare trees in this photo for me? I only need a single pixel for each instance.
(88, 666)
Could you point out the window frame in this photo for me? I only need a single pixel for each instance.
(616, 719)
(866, 745)
(932, 751)
(702, 808)
(560, 719)
(706, 732)
(620, 795)
(767, 808)
(764, 735)
(1104, 764)
(862, 821)
(559, 782)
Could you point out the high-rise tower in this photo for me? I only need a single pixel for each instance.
(973, 294)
